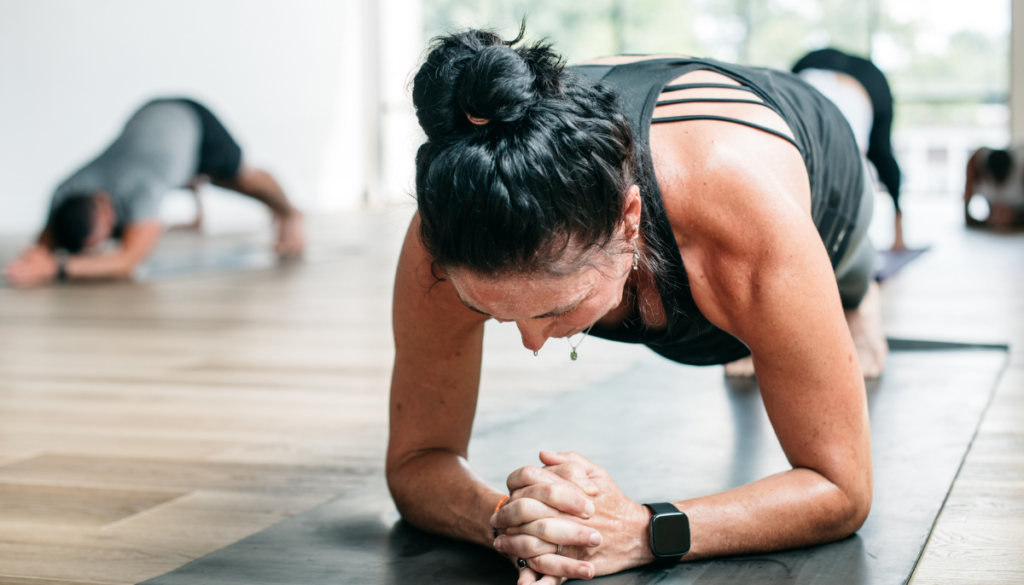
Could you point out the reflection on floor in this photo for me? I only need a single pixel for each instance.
(147, 424)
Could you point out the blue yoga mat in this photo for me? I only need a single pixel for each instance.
(889, 262)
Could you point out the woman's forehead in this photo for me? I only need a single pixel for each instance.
(524, 292)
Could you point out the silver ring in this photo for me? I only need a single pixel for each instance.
(521, 563)
(559, 551)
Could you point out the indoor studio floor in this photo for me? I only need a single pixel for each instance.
(146, 425)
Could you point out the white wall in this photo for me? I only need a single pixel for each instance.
(401, 49)
(284, 76)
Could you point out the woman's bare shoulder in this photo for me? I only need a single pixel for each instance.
(715, 176)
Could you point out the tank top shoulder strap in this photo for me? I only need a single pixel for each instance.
(638, 86)
(640, 83)
(729, 86)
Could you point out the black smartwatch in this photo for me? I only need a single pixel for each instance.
(62, 269)
(669, 534)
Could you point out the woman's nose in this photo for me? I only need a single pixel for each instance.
(535, 332)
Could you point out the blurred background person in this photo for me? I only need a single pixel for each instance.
(862, 93)
(167, 144)
(995, 176)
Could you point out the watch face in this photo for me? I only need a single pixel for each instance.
(670, 535)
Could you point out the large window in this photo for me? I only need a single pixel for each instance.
(947, 60)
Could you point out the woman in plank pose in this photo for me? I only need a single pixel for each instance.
(714, 212)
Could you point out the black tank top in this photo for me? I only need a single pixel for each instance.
(820, 133)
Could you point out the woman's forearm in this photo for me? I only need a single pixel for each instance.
(437, 491)
(796, 508)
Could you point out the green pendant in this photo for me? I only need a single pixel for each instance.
(573, 355)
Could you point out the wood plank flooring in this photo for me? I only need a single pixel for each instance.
(143, 425)
(146, 424)
(970, 287)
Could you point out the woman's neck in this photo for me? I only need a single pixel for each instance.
(640, 298)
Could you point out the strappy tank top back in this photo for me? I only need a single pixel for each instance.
(819, 132)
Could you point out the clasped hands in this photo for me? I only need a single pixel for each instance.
(573, 503)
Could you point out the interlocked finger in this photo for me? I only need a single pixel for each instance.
(574, 473)
(522, 511)
(531, 475)
(561, 496)
(531, 577)
(523, 546)
(528, 577)
(558, 531)
(552, 458)
(559, 566)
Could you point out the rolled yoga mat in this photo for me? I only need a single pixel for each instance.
(665, 432)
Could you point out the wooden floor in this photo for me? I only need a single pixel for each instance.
(143, 425)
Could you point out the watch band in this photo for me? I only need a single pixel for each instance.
(667, 509)
(663, 508)
(62, 268)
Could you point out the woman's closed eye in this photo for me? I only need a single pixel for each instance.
(560, 313)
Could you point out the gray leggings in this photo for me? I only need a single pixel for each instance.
(857, 267)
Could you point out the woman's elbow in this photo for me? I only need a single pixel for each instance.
(858, 515)
(395, 477)
(401, 479)
(857, 508)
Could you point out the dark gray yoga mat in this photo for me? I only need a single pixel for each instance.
(664, 432)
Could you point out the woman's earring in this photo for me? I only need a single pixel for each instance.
(636, 248)
(534, 354)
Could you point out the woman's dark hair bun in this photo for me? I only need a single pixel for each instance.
(496, 85)
(538, 184)
(479, 74)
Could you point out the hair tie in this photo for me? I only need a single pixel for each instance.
(477, 121)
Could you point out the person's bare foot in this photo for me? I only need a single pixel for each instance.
(741, 368)
(196, 225)
(865, 323)
(291, 238)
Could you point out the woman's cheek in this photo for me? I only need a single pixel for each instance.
(584, 317)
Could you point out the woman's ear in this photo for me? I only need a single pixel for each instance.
(633, 208)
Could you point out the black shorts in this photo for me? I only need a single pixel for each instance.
(220, 157)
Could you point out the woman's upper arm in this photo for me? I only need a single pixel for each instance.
(759, 270)
(438, 345)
